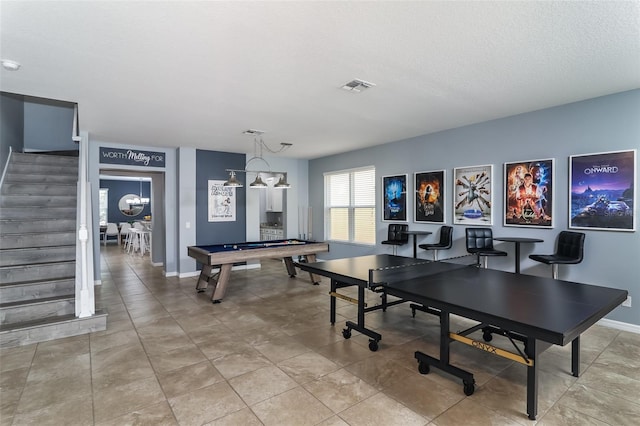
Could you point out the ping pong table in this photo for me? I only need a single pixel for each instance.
(537, 311)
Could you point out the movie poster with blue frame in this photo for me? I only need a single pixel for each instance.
(429, 203)
(602, 191)
(528, 193)
(394, 198)
(473, 195)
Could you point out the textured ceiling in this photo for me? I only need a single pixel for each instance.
(198, 74)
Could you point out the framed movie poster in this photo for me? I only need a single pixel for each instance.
(222, 202)
(602, 191)
(394, 198)
(528, 193)
(429, 199)
(472, 195)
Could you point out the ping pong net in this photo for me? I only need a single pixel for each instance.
(383, 276)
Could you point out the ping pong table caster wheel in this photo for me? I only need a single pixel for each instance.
(373, 345)
(346, 333)
(487, 336)
(469, 388)
(423, 368)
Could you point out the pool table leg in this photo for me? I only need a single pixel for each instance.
(315, 279)
(221, 285)
(291, 269)
(203, 279)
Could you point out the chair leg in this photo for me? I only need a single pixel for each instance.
(394, 250)
(435, 255)
(554, 271)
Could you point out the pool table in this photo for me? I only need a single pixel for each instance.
(225, 255)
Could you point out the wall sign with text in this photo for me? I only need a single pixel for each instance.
(132, 157)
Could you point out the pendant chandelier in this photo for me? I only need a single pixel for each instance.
(258, 145)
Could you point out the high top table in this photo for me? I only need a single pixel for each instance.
(415, 234)
(518, 241)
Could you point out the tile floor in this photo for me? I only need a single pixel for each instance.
(267, 355)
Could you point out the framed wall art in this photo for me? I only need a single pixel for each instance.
(602, 191)
(472, 195)
(222, 202)
(394, 198)
(528, 193)
(429, 203)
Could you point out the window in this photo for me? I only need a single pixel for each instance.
(350, 205)
(104, 205)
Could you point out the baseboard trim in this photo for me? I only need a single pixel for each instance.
(624, 326)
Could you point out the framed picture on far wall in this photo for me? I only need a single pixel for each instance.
(429, 197)
(528, 193)
(473, 195)
(394, 198)
(602, 191)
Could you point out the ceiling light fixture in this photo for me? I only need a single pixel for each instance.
(10, 65)
(258, 145)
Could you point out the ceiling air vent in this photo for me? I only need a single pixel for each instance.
(357, 85)
(253, 132)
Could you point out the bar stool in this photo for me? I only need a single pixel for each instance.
(569, 250)
(397, 236)
(480, 243)
(445, 243)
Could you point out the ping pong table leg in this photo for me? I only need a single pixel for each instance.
(332, 303)
(425, 361)
(374, 337)
(532, 380)
(575, 356)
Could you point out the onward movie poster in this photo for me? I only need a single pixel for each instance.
(529, 193)
(472, 195)
(429, 204)
(395, 197)
(602, 191)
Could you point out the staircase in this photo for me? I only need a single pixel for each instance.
(38, 251)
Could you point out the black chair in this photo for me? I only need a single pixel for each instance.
(397, 236)
(445, 243)
(569, 250)
(480, 243)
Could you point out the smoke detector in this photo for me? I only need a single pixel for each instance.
(357, 85)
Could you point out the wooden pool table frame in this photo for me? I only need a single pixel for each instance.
(225, 260)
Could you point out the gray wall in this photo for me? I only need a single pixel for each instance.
(11, 125)
(596, 125)
(211, 165)
(48, 126)
(34, 124)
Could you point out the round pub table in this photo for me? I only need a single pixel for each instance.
(518, 241)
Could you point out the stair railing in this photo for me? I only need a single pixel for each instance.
(6, 166)
(85, 298)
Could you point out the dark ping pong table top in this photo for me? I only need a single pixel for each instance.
(554, 311)
(355, 270)
(543, 308)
